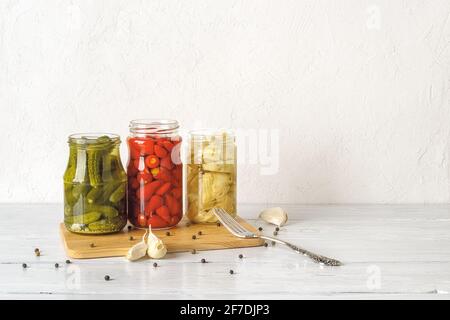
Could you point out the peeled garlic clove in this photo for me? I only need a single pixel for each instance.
(276, 216)
(156, 248)
(139, 250)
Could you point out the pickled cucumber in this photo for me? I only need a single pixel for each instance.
(107, 225)
(118, 194)
(86, 218)
(94, 185)
(108, 190)
(68, 195)
(106, 211)
(71, 166)
(79, 190)
(94, 167)
(94, 194)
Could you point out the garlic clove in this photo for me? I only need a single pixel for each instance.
(275, 215)
(139, 250)
(156, 247)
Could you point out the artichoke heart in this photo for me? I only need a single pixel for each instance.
(215, 185)
(211, 181)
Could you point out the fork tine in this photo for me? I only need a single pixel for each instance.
(235, 223)
(228, 219)
(228, 222)
(224, 219)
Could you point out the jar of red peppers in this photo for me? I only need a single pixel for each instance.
(155, 185)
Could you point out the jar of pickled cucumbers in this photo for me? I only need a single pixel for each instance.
(155, 185)
(211, 174)
(95, 185)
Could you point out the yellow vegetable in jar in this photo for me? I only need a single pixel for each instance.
(211, 176)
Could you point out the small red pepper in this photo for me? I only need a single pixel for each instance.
(154, 203)
(160, 151)
(167, 163)
(164, 213)
(147, 147)
(156, 222)
(168, 145)
(146, 192)
(144, 177)
(173, 204)
(152, 161)
(177, 193)
(163, 189)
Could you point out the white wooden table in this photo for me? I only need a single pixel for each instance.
(388, 251)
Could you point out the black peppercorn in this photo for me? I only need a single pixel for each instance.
(24, 265)
(260, 229)
(57, 265)
(218, 224)
(68, 262)
(92, 245)
(107, 278)
(131, 238)
(199, 233)
(265, 244)
(241, 256)
(231, 271)
(275, 233)
(36, 250)
(203, 260)
(194, 237)
(277, 229)
(168, 233)
(155, 264)
(129, 228)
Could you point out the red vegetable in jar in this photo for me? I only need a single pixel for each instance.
(154, 174)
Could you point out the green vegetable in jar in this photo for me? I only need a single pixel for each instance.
(94, 185)
(85, 218)
(94, 194)
(106, 211)
(118, 194)
(106, 225)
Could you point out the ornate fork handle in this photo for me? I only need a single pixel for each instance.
(315, 257)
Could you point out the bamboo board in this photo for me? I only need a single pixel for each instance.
(213, 237)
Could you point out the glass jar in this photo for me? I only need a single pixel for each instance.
(155, 171)
(95, 185)
(211, 174)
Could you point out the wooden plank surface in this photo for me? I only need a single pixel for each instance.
(389, 251)
(212, 237)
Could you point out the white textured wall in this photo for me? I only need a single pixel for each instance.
(358, 89)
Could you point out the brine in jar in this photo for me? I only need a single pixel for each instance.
(211, 174)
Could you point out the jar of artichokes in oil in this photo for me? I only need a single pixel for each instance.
(95, 185)
(211, 174)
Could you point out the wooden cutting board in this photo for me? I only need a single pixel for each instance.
(113, 245)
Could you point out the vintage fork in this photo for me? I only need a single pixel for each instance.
(239, 231)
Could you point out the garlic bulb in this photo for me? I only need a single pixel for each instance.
(139, 250)
(156, 248)
(276, 216)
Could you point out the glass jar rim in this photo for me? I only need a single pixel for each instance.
(153, 125)
(91, 137)
(206, 133)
